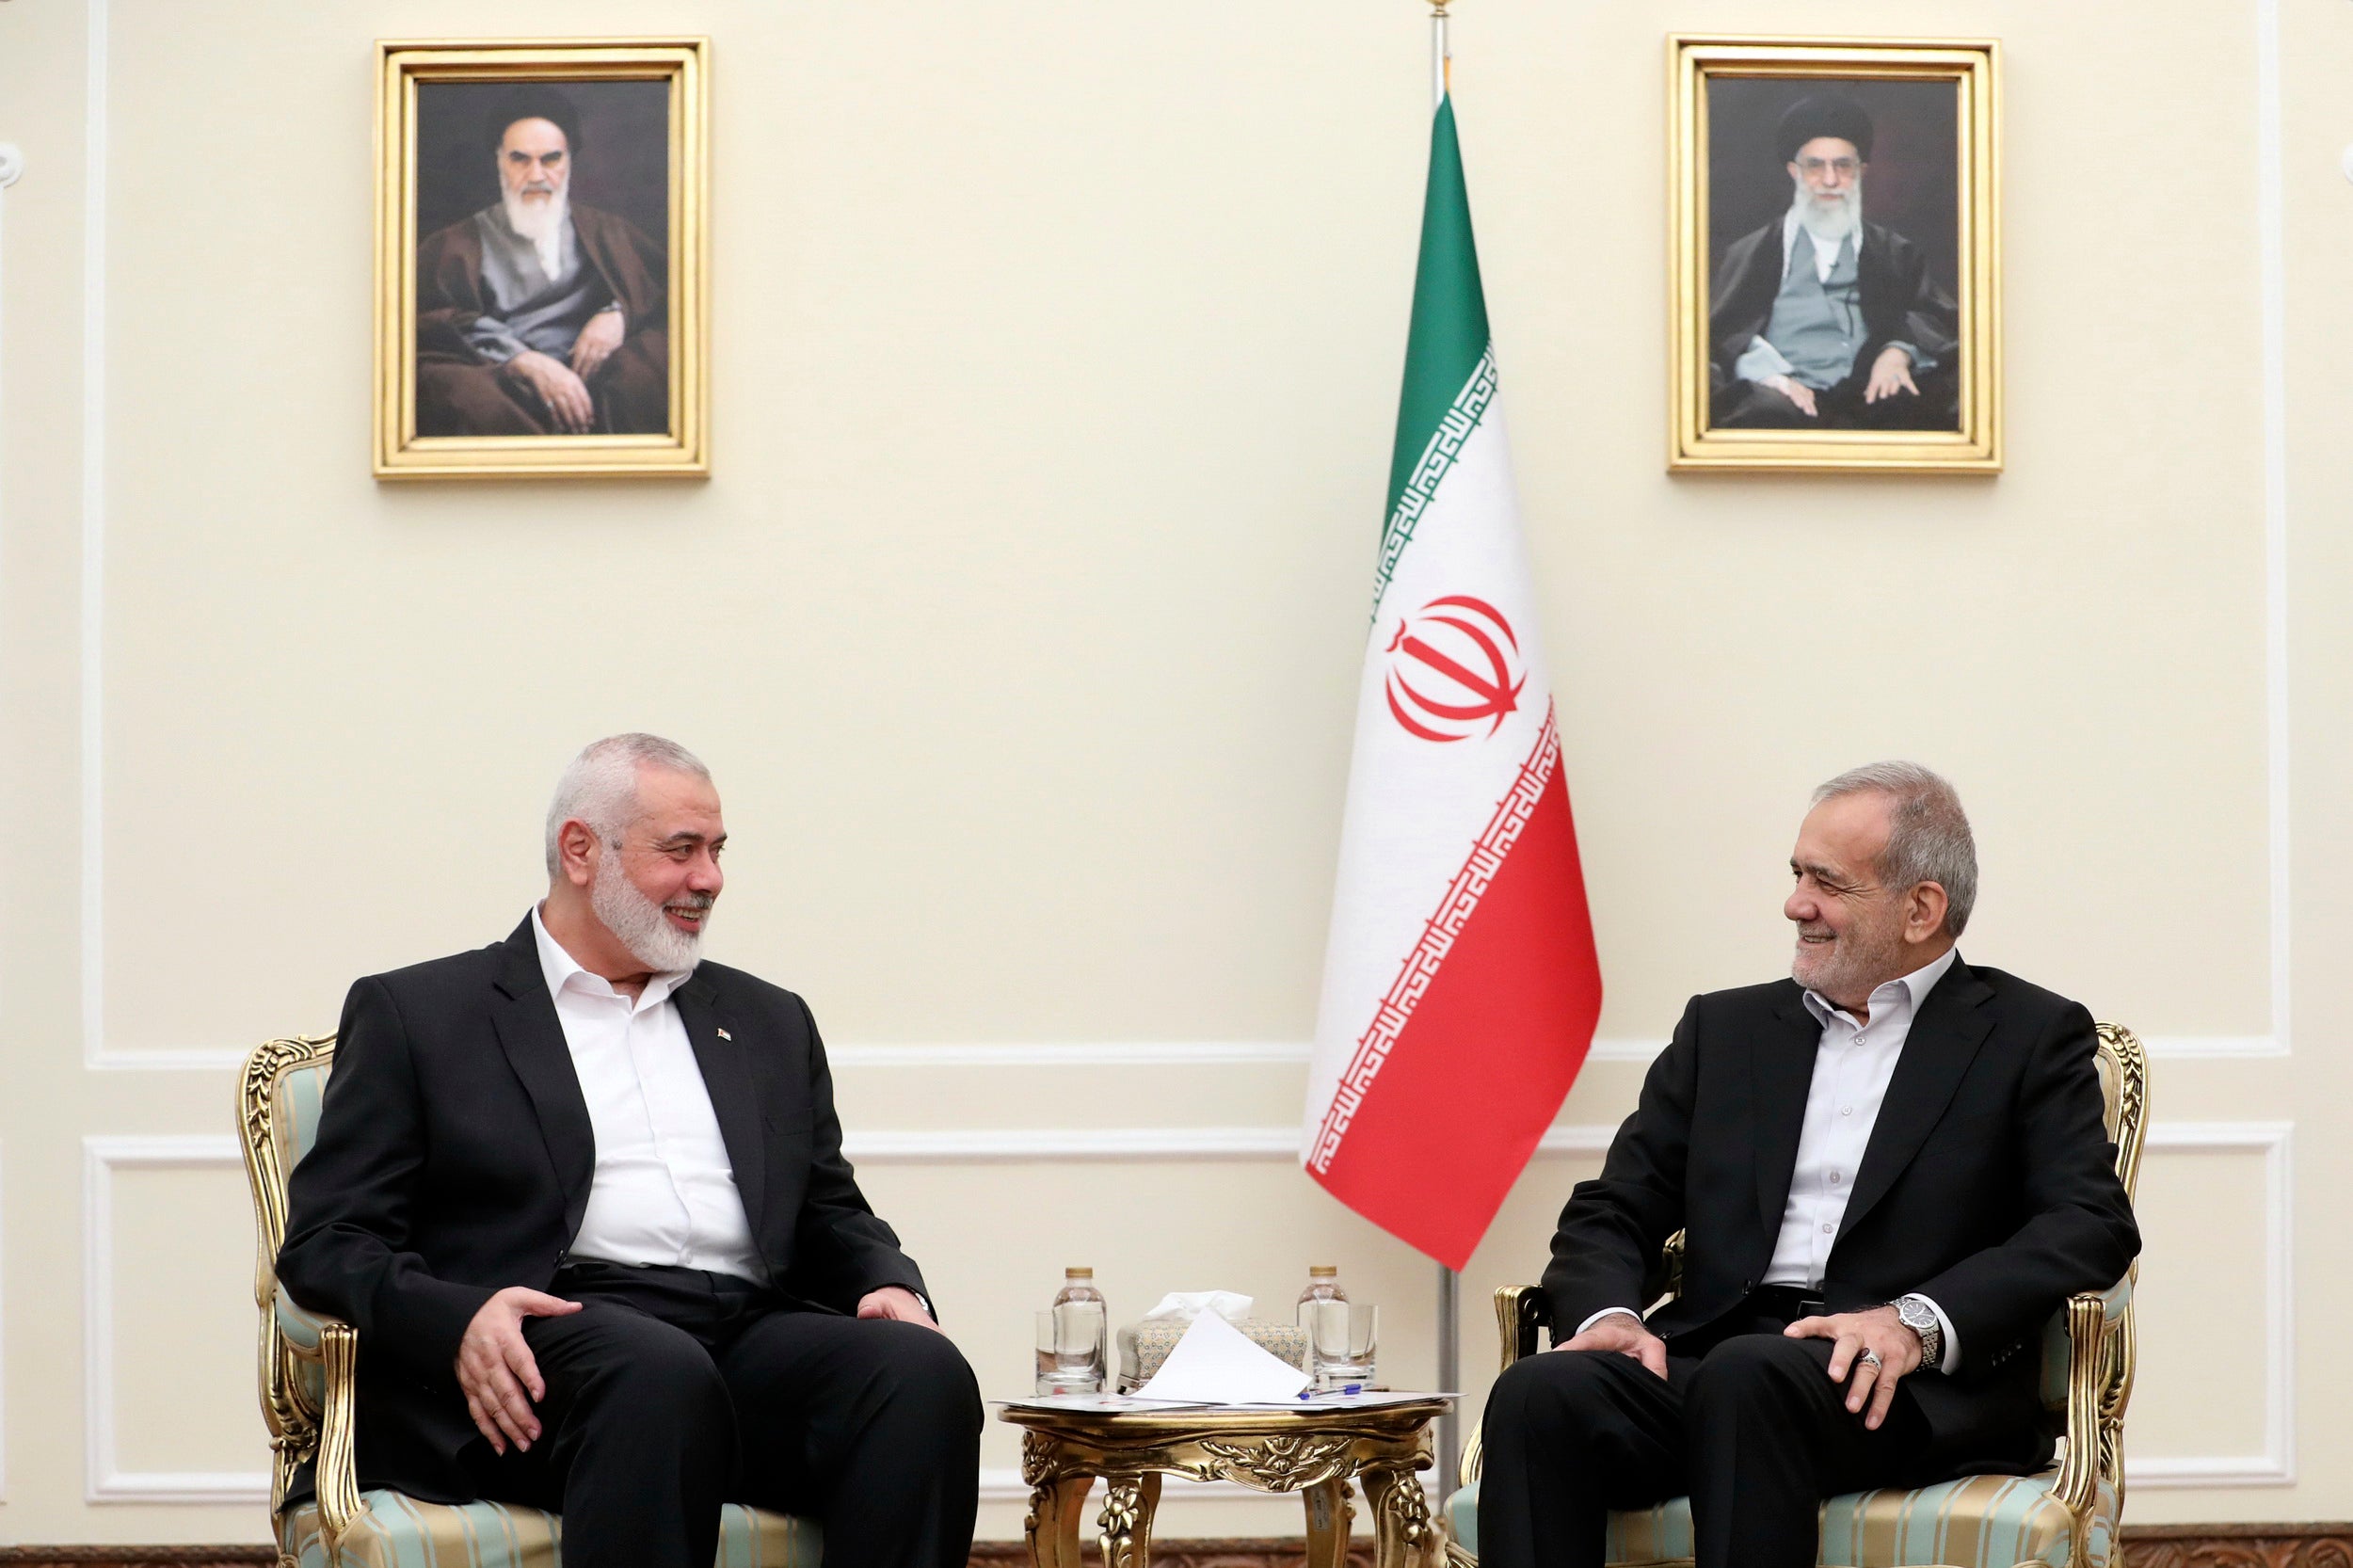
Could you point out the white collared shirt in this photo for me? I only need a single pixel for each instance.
(664, 1190)
(1853, 1064)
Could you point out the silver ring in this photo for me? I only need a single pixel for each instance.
(1871, 1358)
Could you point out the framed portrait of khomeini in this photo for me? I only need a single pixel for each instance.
(1834, 255)
(541, 259)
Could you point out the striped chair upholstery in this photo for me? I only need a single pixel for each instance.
(1977, 1522)
(2066, 1517)
(307, 1393)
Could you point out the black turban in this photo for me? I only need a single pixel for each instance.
(1824, 114)
(532, 101)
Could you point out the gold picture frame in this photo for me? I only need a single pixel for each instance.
(486, 388)
(1734, 102)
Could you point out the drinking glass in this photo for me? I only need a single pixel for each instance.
(1341, 1339)
(1070, 1347)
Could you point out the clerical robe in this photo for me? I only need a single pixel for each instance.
(480, 302)
(1901, 303)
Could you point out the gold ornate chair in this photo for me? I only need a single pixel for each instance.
(308, 1362)
(2066, 1517)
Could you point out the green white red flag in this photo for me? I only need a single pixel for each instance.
(1461, 985)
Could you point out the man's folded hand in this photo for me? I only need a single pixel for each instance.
(1623, 1333)
(1875, 1346)
(496, 1369)
(897, 1302)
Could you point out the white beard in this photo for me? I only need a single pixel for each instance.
(542, 224)
(638, 922)
(1830, 225)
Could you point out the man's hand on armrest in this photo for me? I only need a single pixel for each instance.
(497, 1370)
(896, 1303)
(1623, 1331)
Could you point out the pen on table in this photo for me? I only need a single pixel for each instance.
(1352, 1388)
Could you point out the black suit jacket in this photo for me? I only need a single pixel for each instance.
(1989, 1185)
(1902, 300)
(453, 1158)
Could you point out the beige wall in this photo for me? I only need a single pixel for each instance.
(1054, 360)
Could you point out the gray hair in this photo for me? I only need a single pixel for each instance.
(599, 787)
(1928, 832)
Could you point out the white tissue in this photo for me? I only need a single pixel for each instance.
(1183, 1306)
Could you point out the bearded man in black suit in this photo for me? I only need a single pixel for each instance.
(1891, 1170)
(582, 1195)
(1821, 319)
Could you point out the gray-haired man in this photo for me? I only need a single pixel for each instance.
(583, 1194)
(1890, 1170)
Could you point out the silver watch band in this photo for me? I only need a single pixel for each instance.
(1919, 1317)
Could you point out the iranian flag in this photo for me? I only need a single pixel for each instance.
(1460, 986)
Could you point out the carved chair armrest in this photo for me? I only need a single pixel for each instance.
(1521, 1312)
(336, 1478)
(2099, 1376)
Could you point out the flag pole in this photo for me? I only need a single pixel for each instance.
(1450, 1377)
(1450, 1283)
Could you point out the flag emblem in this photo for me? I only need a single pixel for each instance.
(1463, 654)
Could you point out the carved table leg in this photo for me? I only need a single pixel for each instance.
(1328, 1511)
(1402, 1535)
(1127, 1521)
(1052, 1526)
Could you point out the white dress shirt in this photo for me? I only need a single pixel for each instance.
(664, 1190)
(1853, 1063)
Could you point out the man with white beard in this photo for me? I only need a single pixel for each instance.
(581, 1193)
(1823, 319)
(537, 315)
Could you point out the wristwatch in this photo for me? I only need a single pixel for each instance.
(1920, 1317)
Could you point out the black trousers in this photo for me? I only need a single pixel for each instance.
(673, 1390)
(1754, 1431)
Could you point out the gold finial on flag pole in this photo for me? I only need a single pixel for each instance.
(1441, 57)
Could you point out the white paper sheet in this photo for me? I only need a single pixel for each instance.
(1215, 1363)
(1096, 1401)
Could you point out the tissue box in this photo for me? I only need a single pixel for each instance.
(1144, 1345)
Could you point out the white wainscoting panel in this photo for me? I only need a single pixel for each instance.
(105, 1480)
(2275, 1465)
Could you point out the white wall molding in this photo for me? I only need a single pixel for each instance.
(1220, 1054)
(1117, 1145)
(96, 1053)
(935, 1055)
(104, 1479)
(1074, 1054)
(2161, 1048)
(2275, 1464)
(2272, 223)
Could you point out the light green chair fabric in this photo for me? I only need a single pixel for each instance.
(308, 1407)
(401, 1533)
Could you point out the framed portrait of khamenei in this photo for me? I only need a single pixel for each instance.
(1835, 255)
(541, 260)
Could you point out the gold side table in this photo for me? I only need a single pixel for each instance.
(1314, 1453)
